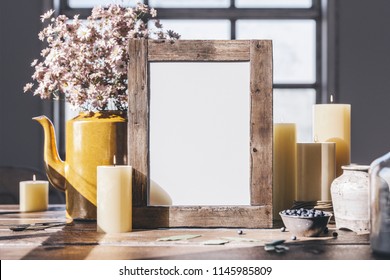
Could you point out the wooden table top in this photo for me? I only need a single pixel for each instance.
(80, 240)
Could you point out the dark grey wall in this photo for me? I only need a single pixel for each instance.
(20, 137)
(364, 74)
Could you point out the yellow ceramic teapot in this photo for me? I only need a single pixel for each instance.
(92, 139)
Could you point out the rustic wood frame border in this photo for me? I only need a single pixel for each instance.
(259, 54)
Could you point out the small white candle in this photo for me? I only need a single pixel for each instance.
(33, 195)
(114, 198)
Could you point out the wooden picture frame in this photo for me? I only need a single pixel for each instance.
(259, 54)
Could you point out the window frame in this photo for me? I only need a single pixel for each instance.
(233, 13)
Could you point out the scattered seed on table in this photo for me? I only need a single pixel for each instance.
(239, 232)
(293, 237)
(282, 229)
(335, 234)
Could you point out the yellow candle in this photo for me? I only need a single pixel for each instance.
(114, 199)
(316, 170)
(284, 167)
(332, 123)
(33, 195)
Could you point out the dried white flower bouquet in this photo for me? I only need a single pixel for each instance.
(86, 61)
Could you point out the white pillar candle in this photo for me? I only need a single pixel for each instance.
(332, 123)
(33, 195)
(316, 170)
(114, 198)
(284, 167)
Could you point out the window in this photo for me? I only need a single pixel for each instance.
(293, 25)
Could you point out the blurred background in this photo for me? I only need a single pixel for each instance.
(321, 47)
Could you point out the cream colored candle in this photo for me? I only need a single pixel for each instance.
(316, 169)
(33, 195)
(284, 167)
(332, 123)
(114, 199)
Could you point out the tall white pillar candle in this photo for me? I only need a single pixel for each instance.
(114, 199)
(316, 171)
(285, 157)
(332, 123)
(33, 195)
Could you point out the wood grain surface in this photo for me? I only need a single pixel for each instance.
(78, 241)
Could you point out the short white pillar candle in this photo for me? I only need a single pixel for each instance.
(33, 195)
(114, 198)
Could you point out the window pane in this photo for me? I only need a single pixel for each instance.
(273, 3)
(190, 3)
(92, 3)
(199, 29)
(293, 45)
(296, 106)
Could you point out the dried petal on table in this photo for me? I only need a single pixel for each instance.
(215, 242)
(241, 239)
(179, 237)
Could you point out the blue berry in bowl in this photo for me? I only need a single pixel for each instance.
(305, 222)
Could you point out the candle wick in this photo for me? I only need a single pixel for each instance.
(34, 178)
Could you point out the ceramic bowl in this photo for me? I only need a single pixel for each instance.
(306, 226)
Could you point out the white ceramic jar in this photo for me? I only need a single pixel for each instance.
(350, 198)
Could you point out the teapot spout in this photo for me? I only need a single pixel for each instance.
(55, 167)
